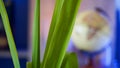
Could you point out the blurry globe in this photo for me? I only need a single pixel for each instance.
(91, 31)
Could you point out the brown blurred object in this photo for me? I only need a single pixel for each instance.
(3, 42)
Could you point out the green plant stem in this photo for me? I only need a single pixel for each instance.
(9, 35)
(36, 36)
(61, 35)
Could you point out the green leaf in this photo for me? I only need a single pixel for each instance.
(29, 65)
(70, 61)
(61, 35)
(56, 14)
(9, 35)
(36, 37)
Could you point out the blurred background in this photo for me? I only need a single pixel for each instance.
(21, 16)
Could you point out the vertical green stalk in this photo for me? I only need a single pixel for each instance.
(36, 36)
(55, 16)
(9, 35)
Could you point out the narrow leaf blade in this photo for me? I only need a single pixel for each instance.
(9, 35)
(56, 14)
(36, 36)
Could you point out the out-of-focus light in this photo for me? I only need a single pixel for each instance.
(118, 4)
